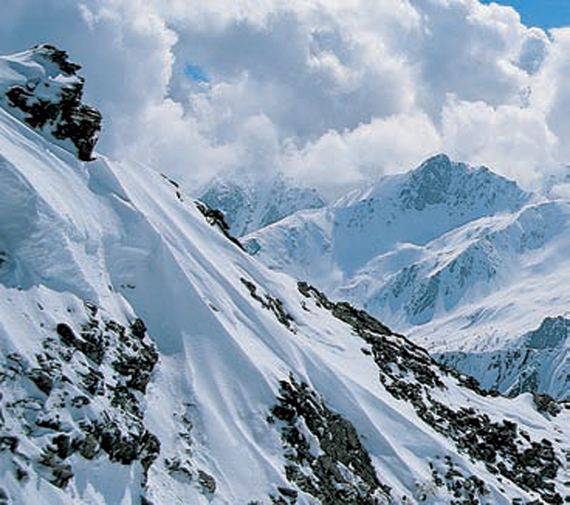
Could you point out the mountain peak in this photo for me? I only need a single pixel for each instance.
(437, 162)
(47, 55)
(41, 87)
(439, 180)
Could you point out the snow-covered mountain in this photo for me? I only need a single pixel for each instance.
(413, 208)
(146, 358)
(458, 257)
(537, 361)
(250, 203)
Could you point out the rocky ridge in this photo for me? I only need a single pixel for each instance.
(43, 88)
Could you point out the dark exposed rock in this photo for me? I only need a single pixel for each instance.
(546, 404)
(179, 469)
(271, 303)
(358, 319)
(216, 218)
(8, 442)
(62, 445)
(60, 472)
(207, 482)
(467, 489)
(176, 186)
(66, 334)
(137, 358)
(340, 469)
(88, 446)
(138, 329)
(288, 492)
(92, 381)
(41, 379)
(62, 114)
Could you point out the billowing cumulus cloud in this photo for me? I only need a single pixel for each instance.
(332, 92)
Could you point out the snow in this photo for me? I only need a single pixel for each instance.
(457, 257)
(250, 203)
(117, 235)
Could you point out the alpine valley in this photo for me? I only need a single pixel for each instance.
(460, 259)
(147, 358)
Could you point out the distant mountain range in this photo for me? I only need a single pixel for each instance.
(250, 203)
(458, 257)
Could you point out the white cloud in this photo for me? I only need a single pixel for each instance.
(338, 160)
(332, 91)
(551, 92)
(514, 140)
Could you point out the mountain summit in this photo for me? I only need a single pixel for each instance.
(439, 181)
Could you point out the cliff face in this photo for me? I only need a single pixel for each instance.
(42, 87)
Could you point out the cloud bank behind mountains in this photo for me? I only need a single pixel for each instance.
(333, 92)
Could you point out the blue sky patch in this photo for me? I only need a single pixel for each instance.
(542, 13)
(196, 73)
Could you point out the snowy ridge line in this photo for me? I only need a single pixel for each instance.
(457, 257)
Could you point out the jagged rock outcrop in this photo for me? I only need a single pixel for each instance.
(89, 399)
(43, 88)
(215, 217)
(271, 303)
(325, 457)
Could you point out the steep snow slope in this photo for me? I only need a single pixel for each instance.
(145, 358)
(458, 257)
(250, 204)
